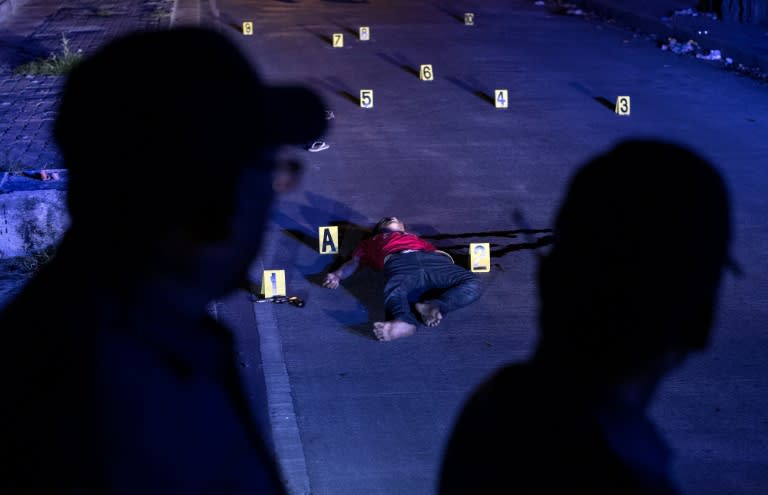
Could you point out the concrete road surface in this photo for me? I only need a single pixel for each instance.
(353, 416)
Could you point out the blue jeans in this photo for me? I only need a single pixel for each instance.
(411, 275)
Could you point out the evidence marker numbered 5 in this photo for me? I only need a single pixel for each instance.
(366, 98)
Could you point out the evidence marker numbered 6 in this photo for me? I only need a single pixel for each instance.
(425, 72)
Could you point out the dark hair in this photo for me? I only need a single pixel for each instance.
(382, 224)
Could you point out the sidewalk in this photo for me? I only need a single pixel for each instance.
(744, 44)
(32, 31)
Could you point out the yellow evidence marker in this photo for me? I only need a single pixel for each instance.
(480, 257)
(328, 239)
(501, 98)
(338, 40)
(469, 19)
(273, 283)
(365, 33)
(366, 98)
(622, 105)
(425, 73)
(248, 28)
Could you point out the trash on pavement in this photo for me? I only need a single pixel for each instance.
(695, 13)
(679, 47)
(712, 55)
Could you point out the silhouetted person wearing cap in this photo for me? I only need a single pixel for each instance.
(627, 292)
(115, 379)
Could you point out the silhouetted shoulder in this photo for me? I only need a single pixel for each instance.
(525, 432)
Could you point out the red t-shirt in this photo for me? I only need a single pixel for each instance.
(373, 251)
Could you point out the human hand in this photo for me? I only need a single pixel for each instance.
(331, 281)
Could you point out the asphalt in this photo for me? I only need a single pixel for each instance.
(349, 415)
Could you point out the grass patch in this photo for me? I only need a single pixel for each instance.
(160, 15)
(56, 64)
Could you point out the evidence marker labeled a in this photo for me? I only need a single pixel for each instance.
(425, 72)
(366, 98)
(622, 105)
(273, 283)
(248, 28)
(338, 40)
(501, 98)
(328, 239)
(480, 257)
(365, 33)
(469, 19)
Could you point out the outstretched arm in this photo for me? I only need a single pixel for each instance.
(332, 279)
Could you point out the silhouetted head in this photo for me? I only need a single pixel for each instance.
(156, 129)
(641, 239)
(389, 224)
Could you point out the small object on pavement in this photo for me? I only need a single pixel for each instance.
(294, 300)
(329, 115)
(318, 146)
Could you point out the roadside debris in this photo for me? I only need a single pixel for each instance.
(694, 13)
(691, 47)
(712, 55)
(680, 47)
(42, 175)
(560, 7)
(694, 48)
(689, 12)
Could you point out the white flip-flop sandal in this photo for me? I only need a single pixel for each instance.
(318, 146)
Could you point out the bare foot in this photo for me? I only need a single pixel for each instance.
(430, 313)
(391, 330)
